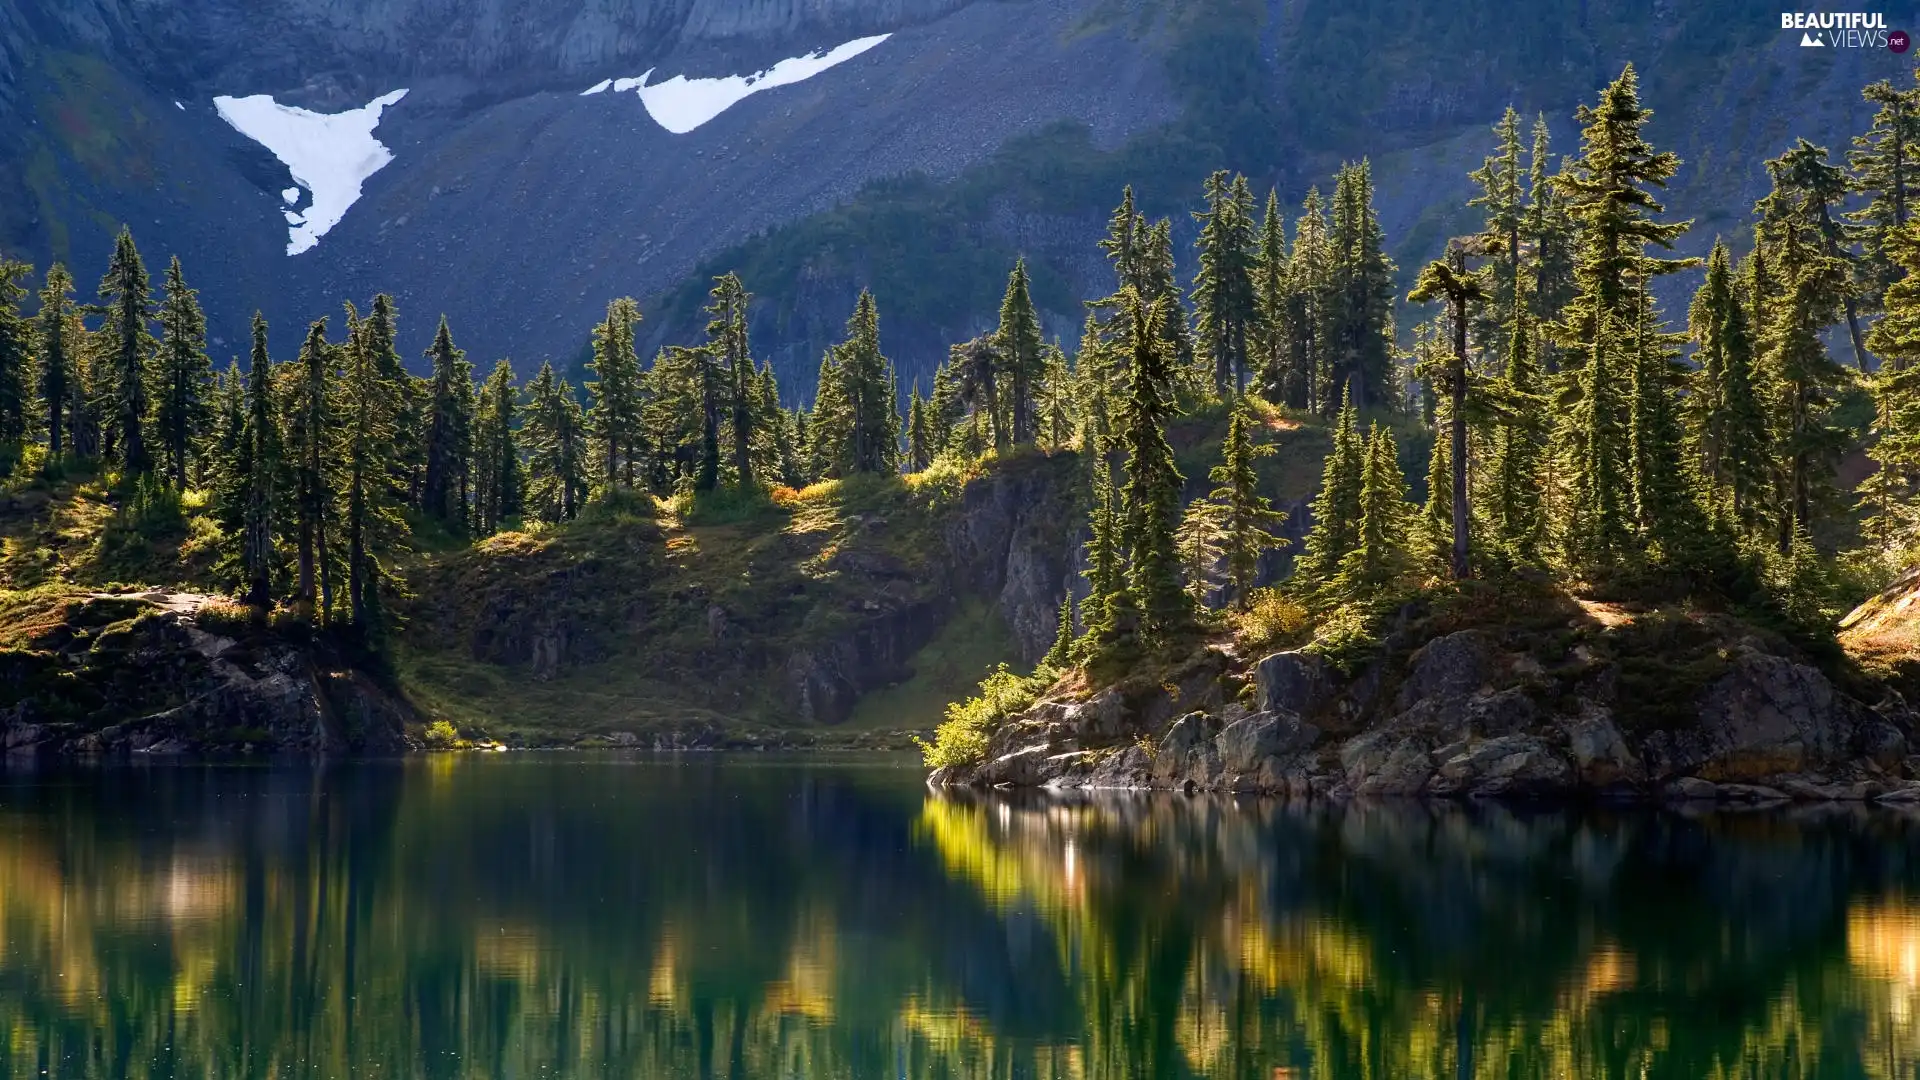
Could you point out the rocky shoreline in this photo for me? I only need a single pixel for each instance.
(1469, 715)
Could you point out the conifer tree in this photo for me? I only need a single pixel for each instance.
(1248, 520)
(371, 404)
(1061, 654)
(919, 433)
(56, 334)
(496, 453)
(1336, 509)
(444, 494)
(1223, 287)
(614, 415)
(1501, 200)
(126, 350)
(1725, 416)
(1106, 581)
(1151, 499)
(555, 438)
(309, 435)
(733, 374)
(16, 362)
(1664, 508)
(1886, 166)
(1435, 525)
(229, 419)
(1160, 285)
(1378, 558)
(1272, 357)
(1199, 543)
(1449, 278)
(1514, 503)
(1309, 281)
(1361, 291)
(868, 430)
(1550, 233)
(1608, 193)
(1055, 405)
(1021, 353)
(1893, 515)
(251, 490)
(183, 375)
(1806, 188)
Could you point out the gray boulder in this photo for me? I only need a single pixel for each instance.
(1456, 665)
(1247, 743)
(1293, 682)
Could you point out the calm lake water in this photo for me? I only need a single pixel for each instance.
(539, 915)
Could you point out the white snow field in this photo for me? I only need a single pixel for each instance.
(681, 104)
(329, 154)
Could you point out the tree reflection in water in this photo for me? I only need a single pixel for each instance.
(511, 916)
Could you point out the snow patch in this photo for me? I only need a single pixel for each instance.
(290, 195)
(681, 104)
(597, 88)
(179, 106)
(329, 154)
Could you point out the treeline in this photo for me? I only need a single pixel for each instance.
(1576, 432)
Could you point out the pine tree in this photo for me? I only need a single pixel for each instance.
(449, 450)
(1664, 508)
(1310, 278)
(126, 350)
(1361, 291)
(1199, 543)
(496, 453)
(309, 434)
(1151, 499)
(56, 335)
(1550, 233)
(1020, 353)
(1223, 286)
(555, 438)
(16, 362)
(733, 373)
(1434, 527)
(1249, 520)
(1806, 188)
(1725, 417)
(614, 415)
(371, 405)
(872, 425)
(183, 375)
(1061, 654)
(1336, 509)
(229, 420)
(1378, 559)
(1449, 278)
(1106, 582)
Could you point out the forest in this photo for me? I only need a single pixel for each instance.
(1763, 451)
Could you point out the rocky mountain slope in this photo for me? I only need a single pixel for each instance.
(979, 130)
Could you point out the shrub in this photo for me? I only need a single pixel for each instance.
(441, 735)
(224, 617)
(1270, 620)
(961, 739)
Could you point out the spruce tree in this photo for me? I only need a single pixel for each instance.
(1151, 499)
(56, 335)
(1434, 528)
(1514, 502)
(16, 362)
(1501, 200)
(1893, 516)
(255, 475)
(183, 375)
(1105, 571)
(1806, 188)
(1663, 502)
(616, 403)
(449, 450)
(1309, 282)
(1886, 167)
(555, 438)
(1248, 520)
(1336, 509)
(496, 453)
(1272, 357)
(126, 350)
(1199, 543)
(1061, 654)
(919, 433)
(1361, 291)
(1550, 233)
(1021, 354)
(872, 433)
(1378, 559)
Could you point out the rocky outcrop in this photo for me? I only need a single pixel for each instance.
(1467, 716)
(141, 674)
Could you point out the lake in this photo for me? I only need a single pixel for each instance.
(545, 915)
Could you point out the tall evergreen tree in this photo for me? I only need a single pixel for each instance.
(16, 361)
(370, 407)
(1664, 508)
(1310, 281)
(1886, 166)
(1514, 502)
(254, 479)
(1021, 353)
(1893, 519)
(1449, 279)
(184, 375)
(449, 450)
(1378, 558)
(919, 433)
(728, 351)
(56, 335)
(616, 401)
(1336, 509)
(1502, 201)
(126, 350)
(1272, 357)
(1806, 188)
(309, 435)
(869, 429)
(1151, 499)
(1223, 286)
(1360, 314)
(556, 441)
(1248, 520)
(496, 453)
(1550, 233)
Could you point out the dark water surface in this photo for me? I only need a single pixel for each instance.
(538, 915)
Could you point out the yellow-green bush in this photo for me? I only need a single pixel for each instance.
(441, 735)
(1271, 620)
(961, 739)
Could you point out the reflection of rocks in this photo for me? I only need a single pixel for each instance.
(1460, 717)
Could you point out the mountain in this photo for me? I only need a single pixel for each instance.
(920, 165)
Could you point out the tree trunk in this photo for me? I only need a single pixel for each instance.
(1458, 436)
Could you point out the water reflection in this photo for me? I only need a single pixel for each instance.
(586, 917)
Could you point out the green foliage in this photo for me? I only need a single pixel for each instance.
(441, 735)
(961, 739)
